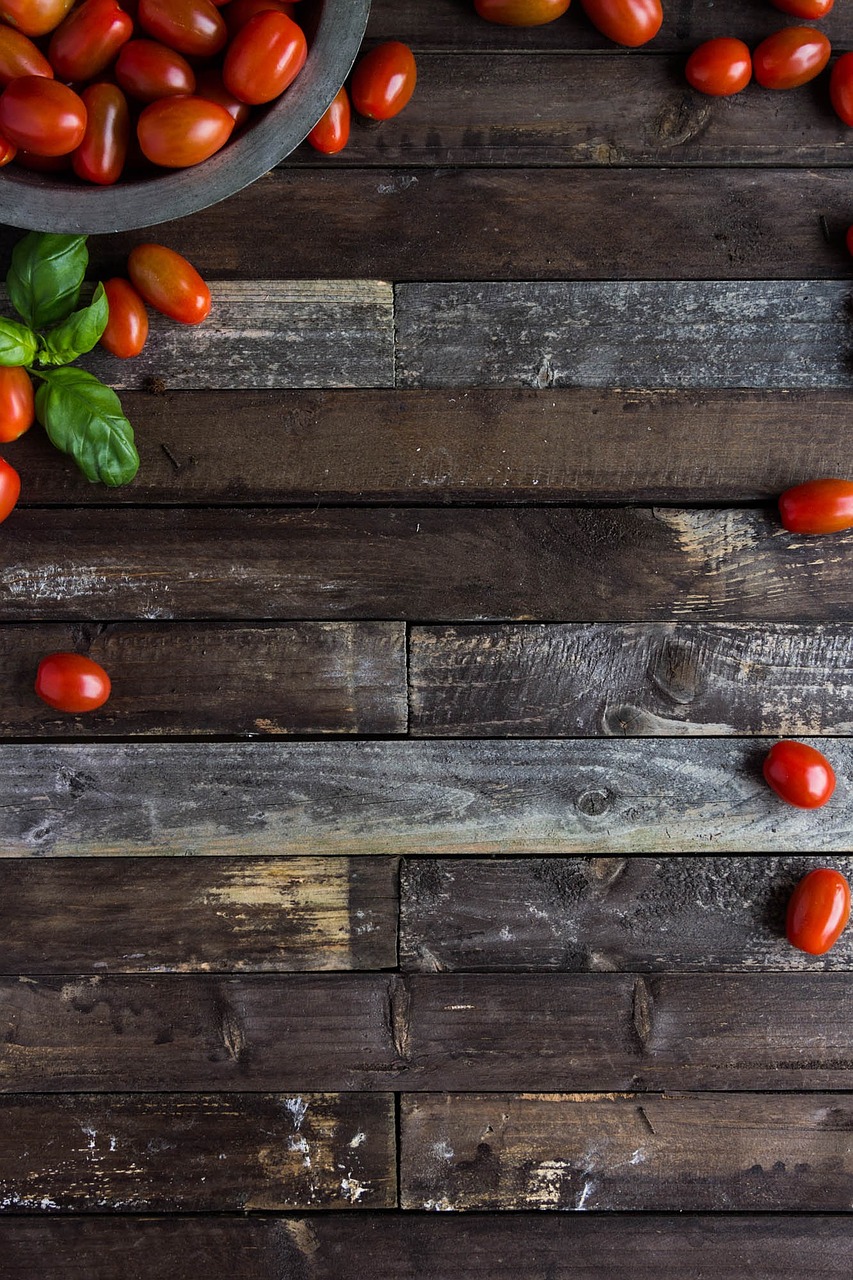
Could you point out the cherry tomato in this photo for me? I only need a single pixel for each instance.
(72, 682)
(799, 774)
(841, 88)
(101, 155)
(88, 40)
(331, 132)
(818, 506)
(10, 488)
(17, 405)
(790, 57)
(34, 17)
(193, 27)
(818, 911)
(628, 22)
(127, 327)
(719, 67)
(238, 12)
(211, 88)
(8, 151)
(20, 57)
(169, 283)
(809, 9)
(147, 71)
(42, 116)
(384, 81)
(182, 131)
(265, 56)
(521, 13)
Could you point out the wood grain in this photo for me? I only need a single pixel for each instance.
(421, 564)
(139, 1154)
(636, 914)
(720, 333)
(575, 444)
(436, 798)
(617, 680)
(81, 916)
(194, 678)
(396, 1246)
(592, 1152)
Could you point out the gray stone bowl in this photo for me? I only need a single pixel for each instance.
(44, 202)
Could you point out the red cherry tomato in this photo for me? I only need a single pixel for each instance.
(88, 40)
(384, 81)
(10, 488)
(72, 682)
(42, 116)
(719, 67)
(238, 12)
(818, 911)
(265, 56)
(521, 13)
(194, 27)
(809, 9)
(17, 406)
(101, 155)
(818, 506)
(169, 283)
(8, 151)
(147, 71)
(628, 22)
(127, 327)
(211, 88)
(331, 132)
(20, 57)
(790, 57)
(799, 774)
(841, 88)
(34, 17)
(183, 131)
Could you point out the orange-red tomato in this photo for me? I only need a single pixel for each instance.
(181, 131)
(818, 506)
(10, 488)
(72, 682)
(20, 57)
(34, 17)
(17, 405)
(193, 27)
(818, 911)
(790, 57)
(384, 81)
(127, 327)
(42, 116)
(628, 22)
(521, 13)
(809, 9)
(799, 774)
(719, 67)
(147, 70)
(331, 132)
(88, 40)
(238, 12)
(169, 283)
(841, 88)
(101, 155)
(265, 56)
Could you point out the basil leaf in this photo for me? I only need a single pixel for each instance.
(85, 418)
(45, 276)
(78, 334)
(17, 343)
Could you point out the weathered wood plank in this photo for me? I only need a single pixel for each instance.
(81, 916)
(593, 679)
(435, 798)
(596, 1151)
(397, 1246)
(515, 445)
(421, 564)
(133, 1153)
(642, 914)
(768, 333)
(194, 678)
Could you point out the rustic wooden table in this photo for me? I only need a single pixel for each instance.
(452, 562)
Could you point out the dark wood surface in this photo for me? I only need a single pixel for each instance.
(473, 470)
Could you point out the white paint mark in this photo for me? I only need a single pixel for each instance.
(358, 1140)
(298, 1108)
(352, 1189)
(443, 1150)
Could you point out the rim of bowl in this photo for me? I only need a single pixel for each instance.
(33, 203)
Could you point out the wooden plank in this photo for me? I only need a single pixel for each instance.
(599, 1151)
(514, 445)
(647, 914)
(196, 1032)
(398, 1246)
(196, 678)
(78, 916)
(132, 1153)
(616, 680)
(720, 333)
(421, 564)
(437, 798)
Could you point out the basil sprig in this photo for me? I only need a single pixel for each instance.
(84, 418)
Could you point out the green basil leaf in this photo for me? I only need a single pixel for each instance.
(17, 343)
(78, 334)
(85, 418)
(45, 276)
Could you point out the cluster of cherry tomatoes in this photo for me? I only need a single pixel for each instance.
(627, 22)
